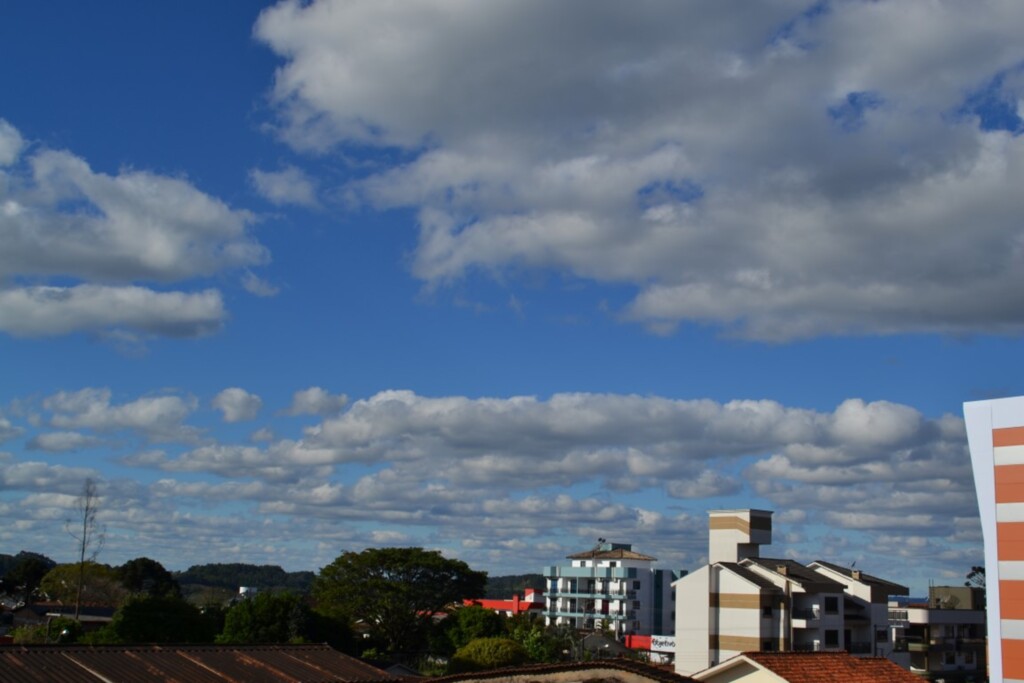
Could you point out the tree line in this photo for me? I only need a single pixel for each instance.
(382, 604)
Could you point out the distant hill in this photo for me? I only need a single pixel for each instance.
(499, 587)
(8, 562)
(232, 576)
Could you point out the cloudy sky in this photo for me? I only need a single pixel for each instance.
(502, 278)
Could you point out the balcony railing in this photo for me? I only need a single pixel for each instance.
(572, 614)
(593, 594)
(920, 644)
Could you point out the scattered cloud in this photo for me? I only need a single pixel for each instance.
(49, 311)
(62, 220)
(7, 430)
(316, 401)
(790, 175)
(290, 185)
(237, 405)
(158, 418)
(400, 467)
(11, 143)
(258, 286)
(60, 442)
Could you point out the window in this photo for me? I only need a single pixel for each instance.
(831, 605)
(831, 638)
(636, 585)
(881, 636)
(767, 646)
(968, 656)
(613, 564)
(950, 658)
(766, 611)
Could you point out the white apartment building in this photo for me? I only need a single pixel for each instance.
(742, 602)
(611, 587)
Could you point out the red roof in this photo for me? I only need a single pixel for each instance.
(814, 667)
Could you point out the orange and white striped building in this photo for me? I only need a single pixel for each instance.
(995, 434)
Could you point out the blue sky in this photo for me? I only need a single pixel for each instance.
(503, 278)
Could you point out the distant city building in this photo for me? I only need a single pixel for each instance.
(611, 587)
(943, 638)
(995, 433)
(742, 602)
(532, 602)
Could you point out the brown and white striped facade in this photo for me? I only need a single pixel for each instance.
(995, 432)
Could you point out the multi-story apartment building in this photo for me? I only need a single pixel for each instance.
(742, 602)
(943, 638)
(995, 434)
(611, 587)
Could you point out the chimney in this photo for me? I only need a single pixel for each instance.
(738, 534)
(782, 569)
(856, 574)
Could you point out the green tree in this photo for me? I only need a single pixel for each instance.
(27, 571)
(395, 591)
(157, 619)
(56, 630)
(99, 584)
(542, 643)
(469, 623)
(146, 576)
(487, 653)
(268, 618)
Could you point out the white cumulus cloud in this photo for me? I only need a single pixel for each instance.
(237, 405)
(316, 401)
(775, 171)
(107, 233)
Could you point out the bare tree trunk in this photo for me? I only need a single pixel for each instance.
(89, 536)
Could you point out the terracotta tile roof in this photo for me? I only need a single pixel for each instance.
(191, 663)
(596, 670)
(816, 667)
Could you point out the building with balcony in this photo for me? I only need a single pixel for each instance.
(742, 602)
(611, 587)
(944, 638)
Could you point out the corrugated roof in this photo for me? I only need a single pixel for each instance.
(182, 664)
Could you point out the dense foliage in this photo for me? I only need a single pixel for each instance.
(21, 574)
(57, 630)
(158, 619)
(268, 618)
(100, 584)
(487, 653)
(148, 577)
(469, 623)
(395, 592)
